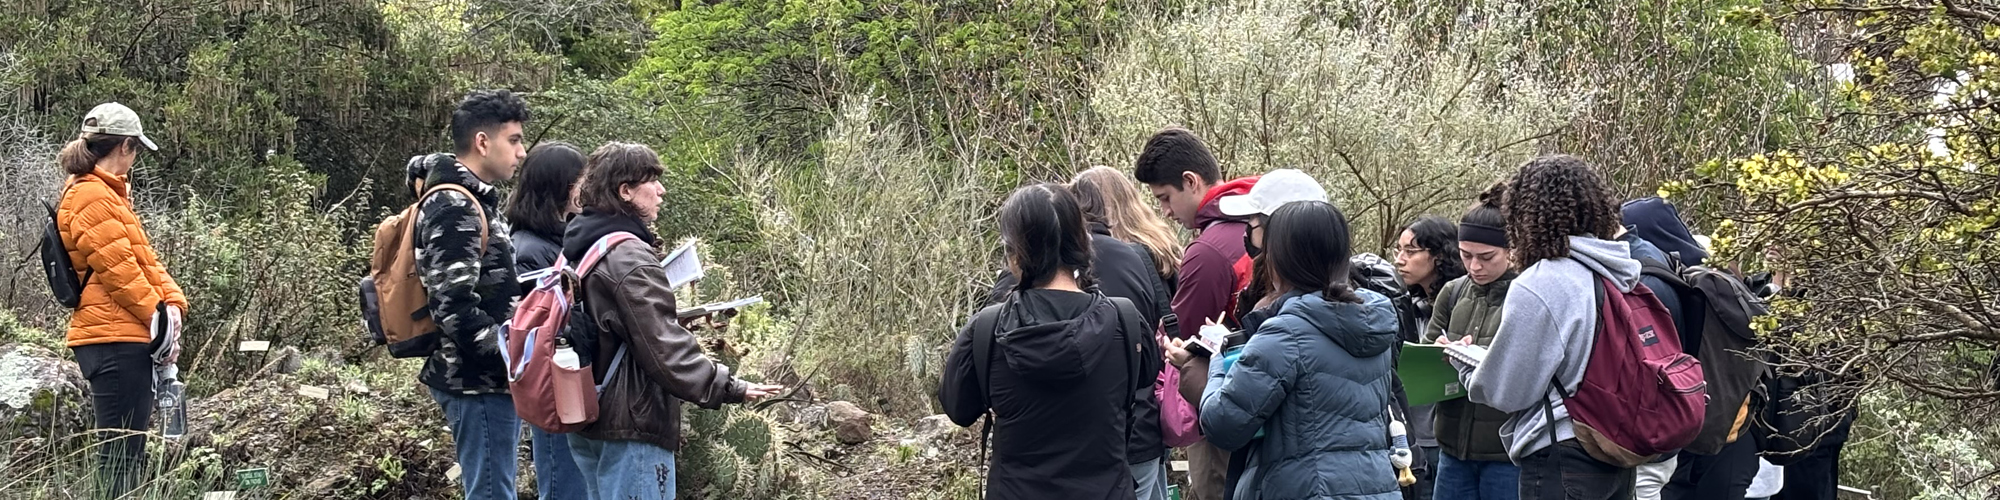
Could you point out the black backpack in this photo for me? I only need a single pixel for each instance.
(1373, 273)
(1720, 307)
(63, 281)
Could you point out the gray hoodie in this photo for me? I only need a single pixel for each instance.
(1547, 328)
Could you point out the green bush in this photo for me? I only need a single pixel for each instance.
(285, 273)
(702, 201)
(1001, 82)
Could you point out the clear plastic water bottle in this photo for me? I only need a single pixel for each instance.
(172, 404)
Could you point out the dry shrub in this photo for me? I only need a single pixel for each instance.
(1393, 123)
(882, 249)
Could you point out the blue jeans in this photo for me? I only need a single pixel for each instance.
(1150, 477)
(487, 433)
(1476, 479)
(556, 477)
(619, 470)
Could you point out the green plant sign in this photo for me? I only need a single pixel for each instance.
(252, 478)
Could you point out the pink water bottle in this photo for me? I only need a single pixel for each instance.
(571, 381)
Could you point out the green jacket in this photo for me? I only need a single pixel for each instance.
(1466, 430)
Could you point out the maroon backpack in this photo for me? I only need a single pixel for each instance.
(1641, 395)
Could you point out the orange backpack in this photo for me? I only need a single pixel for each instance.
(395, 308)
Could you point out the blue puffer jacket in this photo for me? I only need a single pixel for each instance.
(1316, 379)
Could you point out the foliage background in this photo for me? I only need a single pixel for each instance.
(843, 159)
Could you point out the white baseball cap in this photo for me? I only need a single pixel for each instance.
(1273, 190)
(116, 119)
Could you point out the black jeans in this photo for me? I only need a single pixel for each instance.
(1725, 475)
(1815, 477)
(1566, 472)
(121, 394)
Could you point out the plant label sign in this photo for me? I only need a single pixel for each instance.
(254, 346)
(314, 392)
(252, 478)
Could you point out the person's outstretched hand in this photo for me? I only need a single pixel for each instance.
(761, 391)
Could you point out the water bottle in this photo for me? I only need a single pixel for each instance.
(571, 384)
(565, 356)
(172, 404)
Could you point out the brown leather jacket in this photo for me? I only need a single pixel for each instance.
(631, 301)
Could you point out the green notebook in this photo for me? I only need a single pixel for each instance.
(1427, 377)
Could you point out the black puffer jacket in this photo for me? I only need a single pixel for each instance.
(534, 251)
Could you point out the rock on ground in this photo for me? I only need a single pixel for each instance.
(28, 372)
(851, 425)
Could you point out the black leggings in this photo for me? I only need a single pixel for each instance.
(121, 394)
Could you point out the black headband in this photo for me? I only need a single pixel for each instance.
(1477, 233)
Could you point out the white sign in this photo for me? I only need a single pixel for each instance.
(254, 346)
(313, 392)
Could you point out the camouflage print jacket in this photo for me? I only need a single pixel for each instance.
(471, 291)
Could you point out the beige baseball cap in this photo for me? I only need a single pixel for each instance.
(116, 119)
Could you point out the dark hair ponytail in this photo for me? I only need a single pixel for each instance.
(80, 156)
(1043, 231)
(1307, 245)
(1486, 211)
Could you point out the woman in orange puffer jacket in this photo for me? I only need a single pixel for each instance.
(127, 300)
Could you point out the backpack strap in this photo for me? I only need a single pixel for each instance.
(1665, 271)
(1555, 382)
(984, 329)
(599, 249)
(1129, 321)
(88, 272)
(590, 260)
(477, 209)
(1448, 299)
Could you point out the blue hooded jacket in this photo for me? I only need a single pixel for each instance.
(1315, 378)
(1659, 223)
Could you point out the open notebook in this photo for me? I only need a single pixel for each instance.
(683, 265)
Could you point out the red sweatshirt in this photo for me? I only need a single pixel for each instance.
(1216, 266)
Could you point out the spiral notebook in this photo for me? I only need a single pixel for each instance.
(1469, 355)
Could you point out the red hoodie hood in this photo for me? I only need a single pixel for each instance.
(1211, 209)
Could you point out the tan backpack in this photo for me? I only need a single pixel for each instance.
(395, 308)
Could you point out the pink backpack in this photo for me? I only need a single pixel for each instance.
(1179, 423)
(1641, 395)
(553, 398)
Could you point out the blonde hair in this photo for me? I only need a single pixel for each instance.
(1107, 196)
